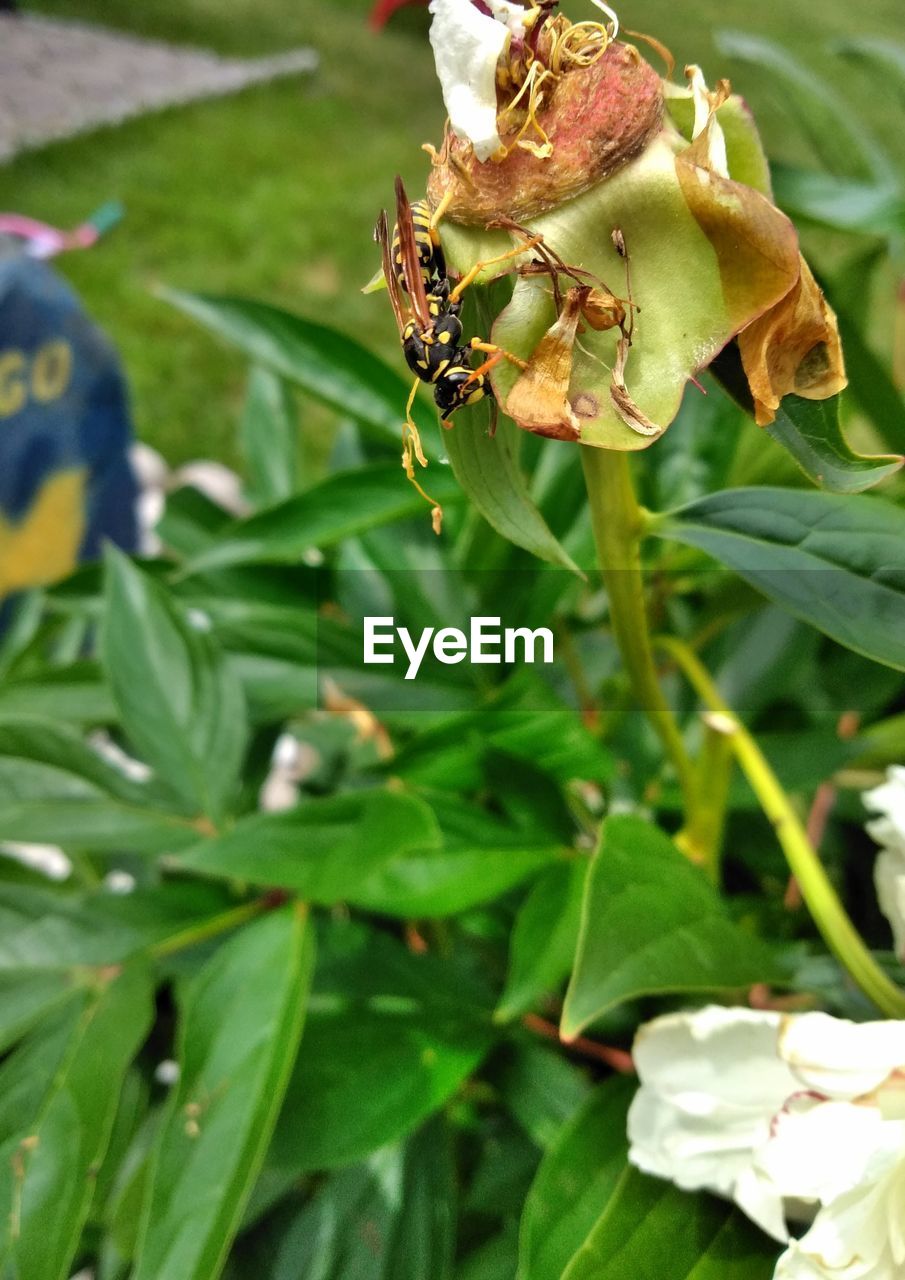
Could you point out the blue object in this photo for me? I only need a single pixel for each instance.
(65, 480)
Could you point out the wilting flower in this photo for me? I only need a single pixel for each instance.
(888, 830)
(796, 1118)
(657, 194)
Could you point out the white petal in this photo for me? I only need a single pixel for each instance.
(820, 1151)
(838, 1058)
(889, 801)
(712, 1082)
(857, 1237)
(467, 45)
(513, 15)
(889, 882)
(727, 1055)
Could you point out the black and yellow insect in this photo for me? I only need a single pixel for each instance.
(429, 326)
(427, 305)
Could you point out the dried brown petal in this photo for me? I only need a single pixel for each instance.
(793, 349)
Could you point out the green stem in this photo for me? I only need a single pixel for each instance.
(216, 925)
(704, 830)
(823, 902)
(618, 523)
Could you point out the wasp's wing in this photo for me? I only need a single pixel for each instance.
(382, 236)
(411, 258)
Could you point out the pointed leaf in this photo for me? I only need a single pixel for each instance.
(692, 1237)
(576, 1178)
(341, 506)
(811, 432)
(322, 849)
(329, 365)
(241, 1022)
(269, 436)
(542, 945)
(55, 789)
(181, 705)
(56, 1115)
(835, 562)
(400, 1030)
(652, 923)
(487, 464)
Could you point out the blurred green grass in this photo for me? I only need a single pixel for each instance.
(274, 192)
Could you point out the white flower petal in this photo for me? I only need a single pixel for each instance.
(889, 801)
(467, 45)
(711, 1083)
(821, 1150)
(838, 1058)
(513, 15)
(724, 1054)
(857, 1237)
(889, 882)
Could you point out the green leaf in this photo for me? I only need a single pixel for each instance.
(476, 860)
(835, 562)
(543, 940)
(840, 141)
(690, 1237)
(322, 849)
(328, 365)
(487, 468)
(840, 204)
(495, 1260)
(390, 1218)
(652, 923)
(26, 998)
(55, 789)
(577, 1176)
(344, 504)
(540, 1088)
(180, 704)
(400, 1030)
(486, 463)
(45, 931)
(58, 1098)
(241, 1022)
(811, 432)
(880, 53)
(269, 436)
(74, 693)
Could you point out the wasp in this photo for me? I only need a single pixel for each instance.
(427, 306)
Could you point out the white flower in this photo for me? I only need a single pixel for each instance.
(711, 1083)
(467, 46)
(798, 1116)
(889, 831)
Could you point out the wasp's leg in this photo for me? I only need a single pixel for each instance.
(412, 452)
(440, 211)
(478, 267)
(496, 355)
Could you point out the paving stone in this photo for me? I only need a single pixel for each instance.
(61, 78)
